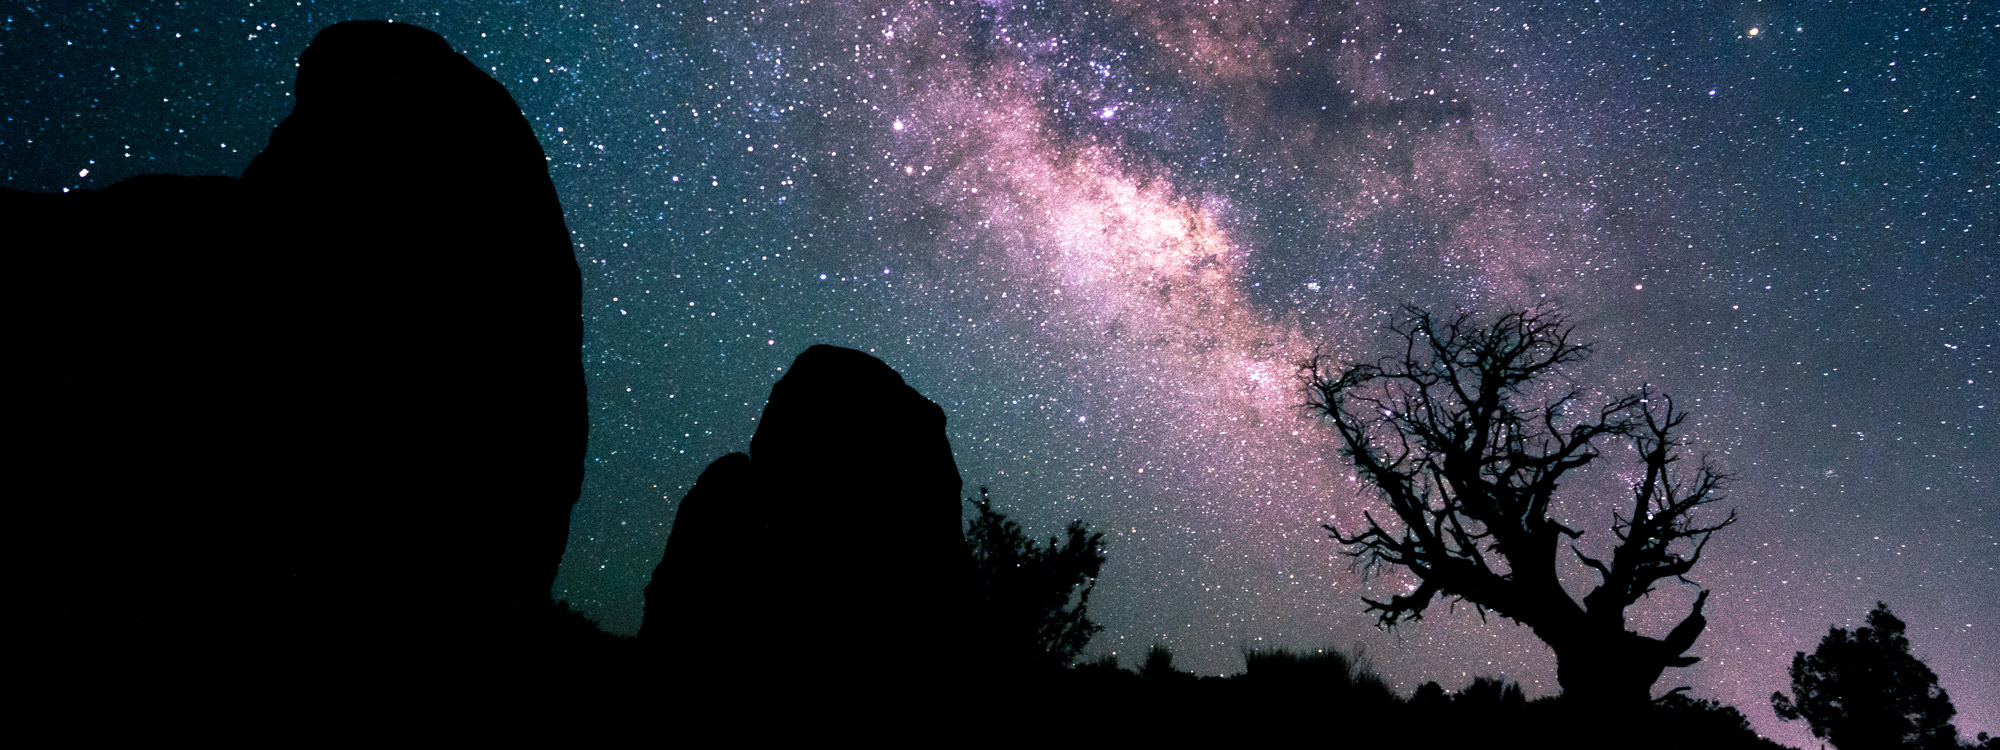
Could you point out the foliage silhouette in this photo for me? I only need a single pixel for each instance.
(1449, 433)
(1491, 693)
(1159, 666)
(1031, 602)
(1865, 691)
(1323, 676)
(1350, 702)
(1429, 695)
(1103, 663)
(1702, 715)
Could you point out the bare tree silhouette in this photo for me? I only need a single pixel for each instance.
(1450, 432)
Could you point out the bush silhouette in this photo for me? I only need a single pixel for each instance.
(1491, 694)
(1031, 602)
(1159, 667)
(1326, 675)
(1865, 691)
(1429, 695)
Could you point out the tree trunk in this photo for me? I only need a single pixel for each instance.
(1607, 671)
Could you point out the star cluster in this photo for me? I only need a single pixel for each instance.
(1101, 235)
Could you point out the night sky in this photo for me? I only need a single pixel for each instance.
(1101, 234)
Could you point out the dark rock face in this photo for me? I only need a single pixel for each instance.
(834, 549)
(323, 420)
(149, 485)
(450, 310)
(696, 601)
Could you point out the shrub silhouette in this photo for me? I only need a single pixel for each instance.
(1429, 695)
(1326, 675)
(1159, 666)
(1106, 663)
(1031, 602)
(1492, 694)
(1865, 691)
(1701, 717)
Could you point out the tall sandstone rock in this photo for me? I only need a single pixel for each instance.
(831, 553)
(449, 310)
(320, 426)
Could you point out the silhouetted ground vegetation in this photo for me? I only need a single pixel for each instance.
(1866, 690)
(1323, 695)
(1030, 602)
(1328, 697)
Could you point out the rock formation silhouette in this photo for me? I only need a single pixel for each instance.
(839, 530)
(451, 322)
(696, 600)
(316, 426)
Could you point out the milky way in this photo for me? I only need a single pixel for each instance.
(1102, 234)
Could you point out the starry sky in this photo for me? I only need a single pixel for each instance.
(1102, 233)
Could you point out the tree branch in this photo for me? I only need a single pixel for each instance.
(1469, 472)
